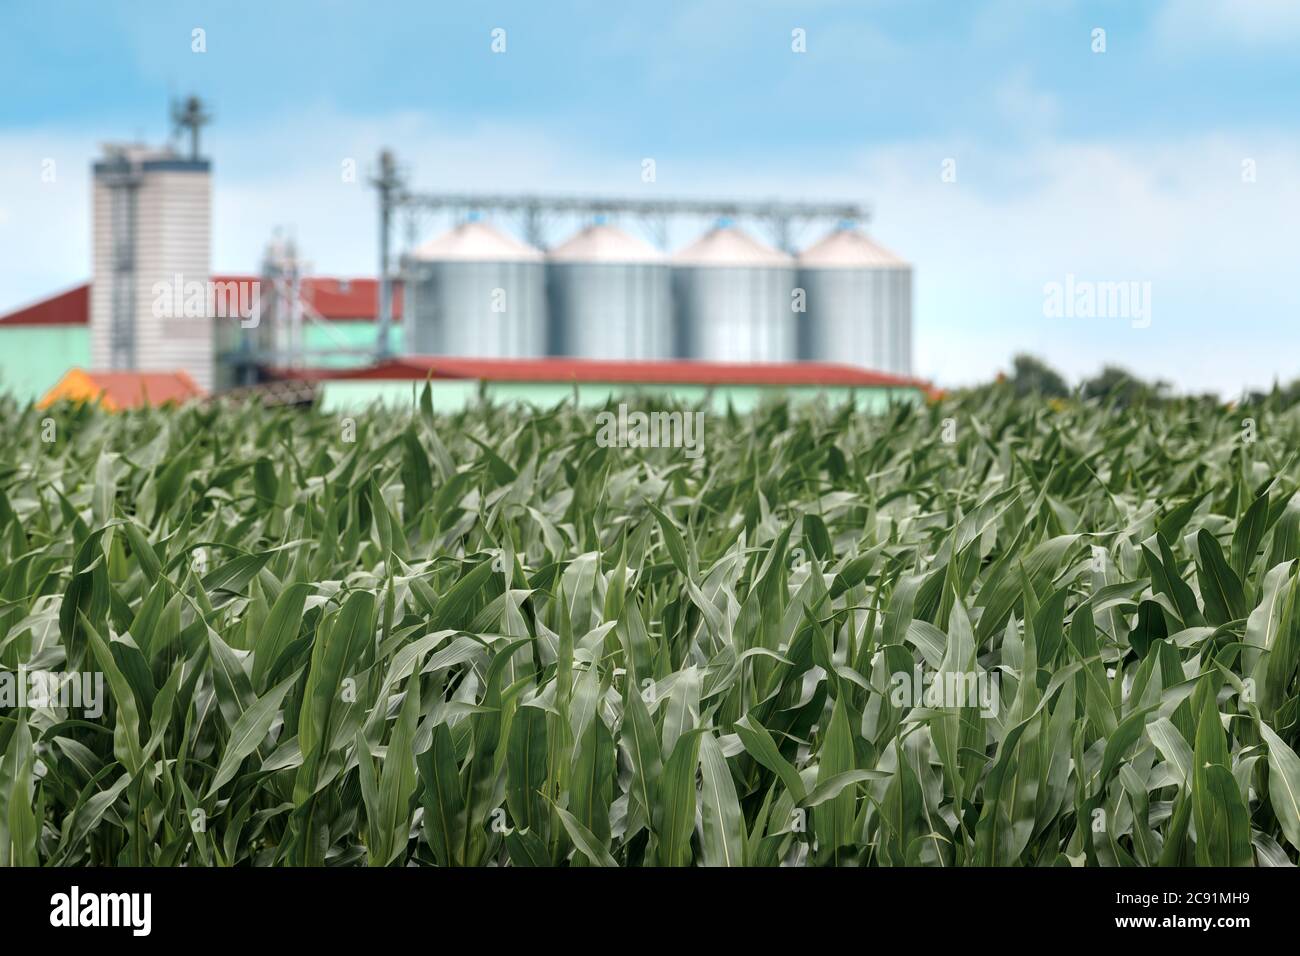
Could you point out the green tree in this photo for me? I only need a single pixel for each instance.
(1121, 387)
(1033, 376)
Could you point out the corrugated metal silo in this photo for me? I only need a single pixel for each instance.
(610, 297)
(733, 299)
(859, 302)
(474, 291)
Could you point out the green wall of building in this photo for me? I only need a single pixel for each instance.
(452, 395)
(356, 335)
(319, 343)
(34, 357)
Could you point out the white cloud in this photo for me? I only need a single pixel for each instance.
(1025, 106)
(1175, 214)
(1184, 26)
(44, 225)
(336, 222)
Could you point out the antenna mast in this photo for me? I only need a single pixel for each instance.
(389, 184)
(188, 114)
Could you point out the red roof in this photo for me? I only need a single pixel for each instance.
(349, 298)
(339, 298)
(419, 367)
(67, 308)
(356, 299)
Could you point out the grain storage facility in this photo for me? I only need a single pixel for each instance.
(733, 299)
(152, 304)
(151, 258)
(610, 297)
(859, 302)
(475, 291)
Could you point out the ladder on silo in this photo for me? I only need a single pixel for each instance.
(123, 183)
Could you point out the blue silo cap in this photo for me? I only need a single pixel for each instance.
(600, 219)
(474, 216)
(846, 224)
(725, 222)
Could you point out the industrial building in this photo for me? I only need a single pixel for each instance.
(152, 223)
(454, 382)
(474, 290)
(39, 342)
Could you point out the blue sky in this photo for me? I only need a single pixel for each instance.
(1117, 166)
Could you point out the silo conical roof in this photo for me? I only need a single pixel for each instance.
(848, 249)
(728, 246)
(602, 243)
(476, 242)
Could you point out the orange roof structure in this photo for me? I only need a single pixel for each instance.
(115, 391)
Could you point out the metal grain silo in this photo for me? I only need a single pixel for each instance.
(733, 299)
(474, 291)
(859, 302)
(609, 297)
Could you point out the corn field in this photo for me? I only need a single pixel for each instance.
(987, 631)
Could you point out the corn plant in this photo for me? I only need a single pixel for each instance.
(987, 631)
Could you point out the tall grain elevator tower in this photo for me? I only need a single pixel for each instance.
(151, 242)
